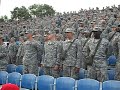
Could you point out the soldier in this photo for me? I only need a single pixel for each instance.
(12, 51)
(72, 58)
(51, 60)
(116, 44)
(3, 55)
(20, 52)
(95, 52)
(32, 56)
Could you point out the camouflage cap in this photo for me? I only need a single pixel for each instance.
(69, 30)
(96, 29)
(1, 36)
(29, 31)
(114, 26)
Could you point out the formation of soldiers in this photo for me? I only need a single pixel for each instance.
(62, 44)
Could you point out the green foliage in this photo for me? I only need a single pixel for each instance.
(21, 13)
(41, 10)
(3, 18)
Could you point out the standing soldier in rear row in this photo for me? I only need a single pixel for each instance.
(72, 58)
(51, 61)
(95, 52)
(32, 57)
(116, 48)
(3, 55)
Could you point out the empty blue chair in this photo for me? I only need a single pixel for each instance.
(111, 74)
(45, 82)
(28, 81)
(111, 85)
(88, 84)
(19, 69)
(14, 78)
(11, 68)
(65, 83)
(82, 73)
(3, 77)
(112, 60)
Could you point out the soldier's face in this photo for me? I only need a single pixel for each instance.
(69, 35)
(114, 29)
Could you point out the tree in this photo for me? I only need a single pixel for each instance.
(21, 13)
(4, 18)
(41, 10)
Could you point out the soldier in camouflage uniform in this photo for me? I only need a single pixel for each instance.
(116, 48)
(32, 56)
(98, 68)
(12, 51)
(73, 58)
(3, 55)
(51, 60)
(20, 52)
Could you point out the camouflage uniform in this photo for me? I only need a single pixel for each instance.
(20, 54)
(98, 70)
(31, 58)
(3, 58)
(116, 44)
(12, 52)
(73, 58)
(51, 58)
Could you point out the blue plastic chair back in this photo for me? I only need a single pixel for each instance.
(112, 60)
(82, 73)
(111, 74)
(11, 68)
(28, 81)
(88, 84)
(111, 85)
(14, 78)
(3, 77)
(45, 82)
(19, 69)
(65, 83)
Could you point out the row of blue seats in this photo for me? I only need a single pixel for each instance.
(82, 74)
(45, 82)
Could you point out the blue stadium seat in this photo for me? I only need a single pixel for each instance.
(14, 78)
(82, 73)
(45, 82)
(65, 83)
(88, 84)
(111, 85)
(28, 81)
(3, 77)
(11, 68)
(19, 69)
(111, 74)
(112, 60)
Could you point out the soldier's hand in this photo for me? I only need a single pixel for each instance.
(56, 67)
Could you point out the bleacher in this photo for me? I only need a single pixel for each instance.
(14, 74)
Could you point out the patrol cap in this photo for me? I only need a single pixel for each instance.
(119, 25)
(29, 31)
(96, 29)
(114, 26)
(69, 30)
(1, 36)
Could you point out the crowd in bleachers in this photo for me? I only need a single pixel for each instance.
(84, 44)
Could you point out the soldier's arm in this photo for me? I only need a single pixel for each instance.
(79, 54)
(115, 46)
(4, 52)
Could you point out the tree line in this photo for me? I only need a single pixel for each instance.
(23, 13)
